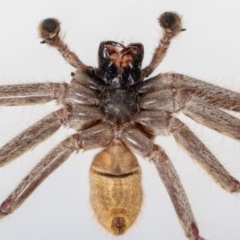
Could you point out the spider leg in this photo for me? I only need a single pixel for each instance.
(47, 165)
(139, 143)
(32, 136)
(200, 153)
(74, 116)
(171, 24)
(156, 123)
(97, 136)
(49, 31)
(212, 117)
(209, 93)
(199, 100)
(35, 93)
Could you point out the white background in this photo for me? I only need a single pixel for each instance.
(209, 50)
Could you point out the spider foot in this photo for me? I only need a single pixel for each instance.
(6, 207)
(49, 29)
(171, 23)
(193, 233)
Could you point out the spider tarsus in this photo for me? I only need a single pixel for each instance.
(171, 22)
(193, 232)
(235, 185)
(6, 206)
(48, 29)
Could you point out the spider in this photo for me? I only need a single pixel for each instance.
(116, 107)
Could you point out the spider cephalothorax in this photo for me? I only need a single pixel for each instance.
(115, 108)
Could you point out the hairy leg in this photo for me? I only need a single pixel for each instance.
(139, 143)
(200, 153)
(209, 93)
(35, 93)
(97, 136)
(212, 117)
(47, 165)
(156, 123)
(199, 100)
(32, 136)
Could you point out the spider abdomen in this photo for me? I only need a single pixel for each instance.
(116, 191)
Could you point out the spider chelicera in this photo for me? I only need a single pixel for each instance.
(116, 108)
